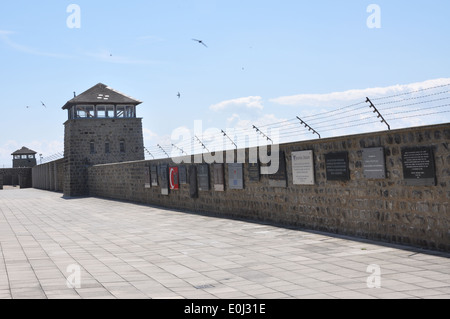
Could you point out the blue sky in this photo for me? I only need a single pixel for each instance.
(266, 62)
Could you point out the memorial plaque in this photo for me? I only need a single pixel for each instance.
(236, 176)
(164, 176)
(418, 166)
(374, 163)
(193, 188)
(337, 166)
(279, 179)
(154, 175)
(148, 182)
(219, 182)
(203, 177)
(303, 168)
(173, 178)
(182, 172)
(254, 172)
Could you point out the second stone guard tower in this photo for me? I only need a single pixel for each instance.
(102, 128)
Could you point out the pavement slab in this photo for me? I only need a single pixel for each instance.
(53, 247)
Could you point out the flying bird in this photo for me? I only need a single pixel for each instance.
(43, 104)
(200, 41)
(179, 95)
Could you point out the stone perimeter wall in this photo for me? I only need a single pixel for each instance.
(15, 177)
(383, 210)
(49, 176)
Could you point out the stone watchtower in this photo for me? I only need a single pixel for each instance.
(102, 128)
(24, 158)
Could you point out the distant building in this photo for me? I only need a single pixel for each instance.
(24, 158)
(102, 128)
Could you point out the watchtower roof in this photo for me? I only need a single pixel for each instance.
(101, 94)
(24, 151)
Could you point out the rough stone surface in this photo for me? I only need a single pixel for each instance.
(16, 177)
(85, 145)
(384, 210)
(49, 176)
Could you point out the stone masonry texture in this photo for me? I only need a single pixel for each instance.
(85, 145)
(386, 210)
(49, 176)
(16, 177)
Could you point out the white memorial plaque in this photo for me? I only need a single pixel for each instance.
(374, 163)
(236, 176)
(303, 168)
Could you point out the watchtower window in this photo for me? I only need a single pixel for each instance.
(17, 157)
(122, 146)
(125, 111)
(107, 150)
(85, 111)
(129, 111)
(120, 111)
(105, 111)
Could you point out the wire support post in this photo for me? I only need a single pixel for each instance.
(148, 152)
(308, 127)
(378, 112)
(163, 151)
(201, 143)
(226, 135)
(264, 135)
(179, 149)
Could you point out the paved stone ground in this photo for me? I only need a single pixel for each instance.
(129, 251)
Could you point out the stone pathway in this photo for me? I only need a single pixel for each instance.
(110, 249)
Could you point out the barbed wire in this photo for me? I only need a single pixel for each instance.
(411, 92)
(345, 117)
(414, 98)
(394, 108)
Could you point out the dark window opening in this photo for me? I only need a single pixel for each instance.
(92, 148)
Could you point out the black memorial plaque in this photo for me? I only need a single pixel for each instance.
(219, 182)
(182, 172)
(254, 172)
(374, 163)
(164, 177)
(337, 166)
(154, 175)
(203, 177)
(279, 179)
(418, 166)
(193, 186)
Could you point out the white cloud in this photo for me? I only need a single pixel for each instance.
(251, 102)
(149, 135)
(355, 95)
